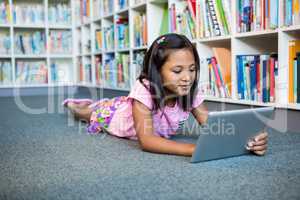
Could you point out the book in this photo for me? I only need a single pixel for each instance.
(60, 41)
(5, 16)
(59, 13)
(5, 72)
(108, 7)
(31, 72)
(98, 39)
(97, 8)
(121, 4)
(108, 37)
(257, 77)
(30, 42)
(60, 70)
(24, 13)
(122, 76)
(214, 18)
(294, 47)
(122, 32)
(99, 70)
(5, 43)
(182, 16)
(257, 15)
(140, 30)
(164, 26)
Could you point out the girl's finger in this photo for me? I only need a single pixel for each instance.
(260, 153)
(260, 142)
(258, 148)
(261, 136)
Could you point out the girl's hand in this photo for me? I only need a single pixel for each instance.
(258, 144)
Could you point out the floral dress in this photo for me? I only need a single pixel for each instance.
(102, 114)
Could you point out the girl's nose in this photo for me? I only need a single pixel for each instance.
(187, 77)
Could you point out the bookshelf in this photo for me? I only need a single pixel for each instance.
(264, 39)
(37, 36)
(105, 38)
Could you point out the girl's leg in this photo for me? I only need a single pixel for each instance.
(80, 111)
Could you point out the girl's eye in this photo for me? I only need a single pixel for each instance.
(176, 72)
(193, 69)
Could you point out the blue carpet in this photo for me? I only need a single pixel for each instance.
(49, 156)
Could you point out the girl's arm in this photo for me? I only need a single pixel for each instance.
(143, 125)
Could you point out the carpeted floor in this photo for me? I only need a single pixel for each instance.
(49, 156)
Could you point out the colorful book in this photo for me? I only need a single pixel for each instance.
(31, 72)
(5, 72)
(60, 41)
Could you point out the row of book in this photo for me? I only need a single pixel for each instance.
(182, 18)
(291, 12)
(256, 77)
(215, 73)
(5, 72)
(82, 11)
(4, 12)
(115, 71)
(214, 18)
(60, 41)
(257, 15)
(137, 64)
(98, 39)
(122, 32)
(30, 42)
(99, 70)
(108, 7)
(97, 8)
(59, 13)
(5, 46)
(29, 14)
(294, 71)
(123, 77)
(31, 72)
(60, 70)
(108, 37)
(121, 4)
(85, 71)
(140, 30)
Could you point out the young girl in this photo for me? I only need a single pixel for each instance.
(161, 99)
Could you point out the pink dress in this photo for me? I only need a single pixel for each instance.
(115, 115)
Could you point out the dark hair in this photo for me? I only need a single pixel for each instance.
(155, 58)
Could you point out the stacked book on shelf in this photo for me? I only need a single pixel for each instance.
(108, 37)
(60, 41)
(215, 78)
(110, 72)
(97, 8)
(294, 71)
(122, 75)
(256, 77)
(214, 18)
(5, 46)
(31, 72)
(122, 32)
(85, 71)
(121, 4)
(5, 72)
(59, 13)
(137, 64)
(290, 12)
(98, 70)
(254, 15)
(98, 39)
(60, 70)
(5, 17)
(33, 14)
(182, 18)
(30, 42)
(140, 30)
(83, 11)
(108, 7)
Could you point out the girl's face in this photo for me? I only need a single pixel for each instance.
(178, 72)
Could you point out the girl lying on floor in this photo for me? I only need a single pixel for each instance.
(162, 97)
